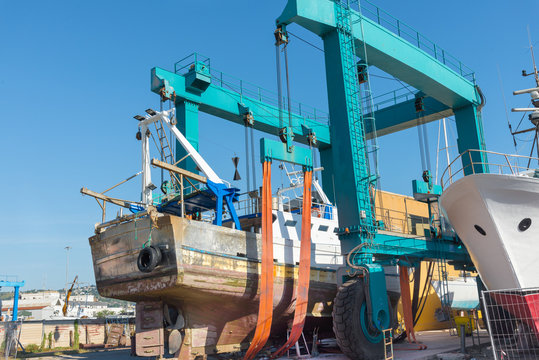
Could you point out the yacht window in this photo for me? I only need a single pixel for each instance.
(480, 230)
(525, 224)
(290, 223)
(323, 228)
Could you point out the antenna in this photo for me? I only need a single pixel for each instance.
(535, 72)
(505, 107)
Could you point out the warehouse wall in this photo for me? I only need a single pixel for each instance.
(91, 331)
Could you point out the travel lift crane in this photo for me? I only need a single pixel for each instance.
(361, 310)
(16, 285)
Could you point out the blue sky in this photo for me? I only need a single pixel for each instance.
(73, 73)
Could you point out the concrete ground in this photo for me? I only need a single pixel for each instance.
(109, 354)
(437, 342)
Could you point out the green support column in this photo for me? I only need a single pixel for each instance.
(328, 181)
(341, 144)
(187, 116)
(470, 136)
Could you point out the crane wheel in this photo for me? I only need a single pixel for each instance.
(357, 339)
(148, 259)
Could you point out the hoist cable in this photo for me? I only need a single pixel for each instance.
(253, 157)
(305, 41)
(247, 156)
(279, 86)
(288, 87)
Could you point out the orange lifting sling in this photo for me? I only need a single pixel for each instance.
(265, 309)
(304, 273)
(407, 307)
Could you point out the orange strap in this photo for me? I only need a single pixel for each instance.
(304, 273)
(265, 309)
(407, 306)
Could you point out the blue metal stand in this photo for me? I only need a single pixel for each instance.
(228, 195)
(16, 285)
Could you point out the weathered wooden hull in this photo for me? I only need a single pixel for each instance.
(211, 273)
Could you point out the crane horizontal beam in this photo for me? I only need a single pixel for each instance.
(403, 115)
(223, 103)
(232, 105)
(389, 52)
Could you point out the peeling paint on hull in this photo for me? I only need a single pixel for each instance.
(211, 273)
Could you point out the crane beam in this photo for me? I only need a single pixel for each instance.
(390, 52)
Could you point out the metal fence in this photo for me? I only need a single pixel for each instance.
(513, 323)
(10, 333)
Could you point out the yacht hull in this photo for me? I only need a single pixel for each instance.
(497, 218)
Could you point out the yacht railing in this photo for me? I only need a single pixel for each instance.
(475, 161)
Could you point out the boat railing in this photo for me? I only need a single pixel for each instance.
(475, 161)
(248, 206)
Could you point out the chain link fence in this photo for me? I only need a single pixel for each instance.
(513, 322)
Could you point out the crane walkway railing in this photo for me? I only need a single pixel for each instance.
(252, 91)
(394, 97)
(408, 33)
(498, 163)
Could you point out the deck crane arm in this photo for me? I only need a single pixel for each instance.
(224, 193)
(166, 116)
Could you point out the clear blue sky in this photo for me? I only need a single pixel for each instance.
(73, 73)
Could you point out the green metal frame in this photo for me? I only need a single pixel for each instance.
(276, 150)
(445, 85)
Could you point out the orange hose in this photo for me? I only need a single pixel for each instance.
(304, 273)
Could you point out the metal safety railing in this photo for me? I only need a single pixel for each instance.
(189, 60)
(408, 33)
(475, 161)
(401, 221)
(393, 98)
(300, 111)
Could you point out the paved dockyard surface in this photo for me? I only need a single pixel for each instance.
(437, 342)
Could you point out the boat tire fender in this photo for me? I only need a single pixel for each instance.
(149, 258)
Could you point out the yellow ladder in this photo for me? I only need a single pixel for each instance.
(388, 344)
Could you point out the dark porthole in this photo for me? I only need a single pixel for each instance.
(480, 230)
(525, 224)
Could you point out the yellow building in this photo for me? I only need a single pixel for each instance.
(404, 214)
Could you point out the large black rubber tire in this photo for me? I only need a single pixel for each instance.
(347, 318)
(148, 259)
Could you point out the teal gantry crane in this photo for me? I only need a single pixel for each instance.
(354, 40)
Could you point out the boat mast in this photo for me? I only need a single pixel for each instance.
(535, 73)
(534, 93)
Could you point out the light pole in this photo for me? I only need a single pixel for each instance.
(67, 266)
